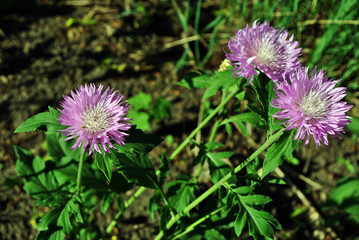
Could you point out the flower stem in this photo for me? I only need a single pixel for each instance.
(217, 185)
(196, 223)
(178, 150)
(128, 203)
(202, 124)
(79, 173)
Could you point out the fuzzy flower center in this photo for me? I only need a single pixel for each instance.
(265, 53)
(96, 118)
(313, 106)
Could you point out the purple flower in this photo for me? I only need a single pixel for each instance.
(312, 105)
(94, 117)
(266, 48)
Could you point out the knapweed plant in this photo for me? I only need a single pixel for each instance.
(94, 154)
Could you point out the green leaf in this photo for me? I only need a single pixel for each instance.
(218, 169)
(40, 183)
(161, 109)
(139, 142)
(210, 146)
(255, 199)
(220, 80)
(260, 223)
(107, 200)
(194, 80)
(41, 120)
(354, 126)
(164, 169)
(62, 217)
(273, 158)
(165, 216)
(53, 147)
(180, 194)
(345, 197)
(213, 234)
(105, 164)
(240, 221)
(136, 168)
(154, 204)
(141, 101)
(141, 119)
(249, 117)
(243, 189)
(229, 200)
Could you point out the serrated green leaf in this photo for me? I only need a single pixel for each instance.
(53, 147)
(62, 217)
(220, 80)
(210, 146)
(105, 164)
(218, 169)
(345, 197)
(154, 204)
(165, 216)
(164, 169)
(139, 142)
(24, 161)
(213, 234)
(181, 195)
(273, 157)
(354, 125)
(243, 189)
(161, 109)
(249, 117)
(107, 200)
(255, 199)
(136, 168)
(141, 101)
(229, 200)
(240, 221)
(55, 233)
(259, 223)
(141, 119)
(39, 182)
(41, 120)
(194, 80)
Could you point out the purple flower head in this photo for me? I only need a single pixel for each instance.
(266, 48)
(94, 117)
(312, 105)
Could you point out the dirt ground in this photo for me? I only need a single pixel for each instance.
(42, 59)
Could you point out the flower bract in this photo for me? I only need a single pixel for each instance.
(265, 48)
(312, 104)
(94, 118)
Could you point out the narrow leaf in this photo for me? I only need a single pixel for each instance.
(255, 199)
(105, 164)
(273, 157)
(39, 121)
(240, 221)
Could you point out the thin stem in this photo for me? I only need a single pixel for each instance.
(217, 185)
(211, 138)
(128, 203)
(177, 151)
(202, 124)
(79, 173)
(199, 221)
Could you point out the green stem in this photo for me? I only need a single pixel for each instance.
(177, 151)
(79, 173)
(217, 185)
(128, 203)
(202, 124)
(211, 138)
(199, 221)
